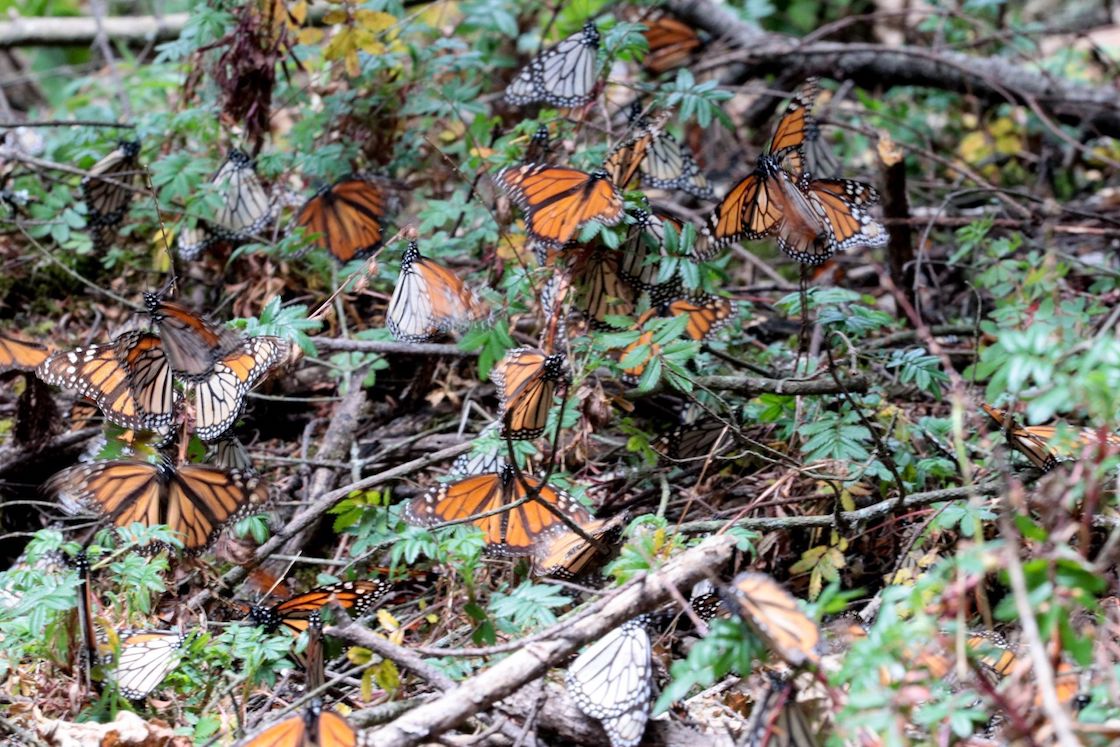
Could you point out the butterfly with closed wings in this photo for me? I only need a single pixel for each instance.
(108, 189)
(145, 658)
(429, 300)
(611, 682)
(527, 380)
(562, 76)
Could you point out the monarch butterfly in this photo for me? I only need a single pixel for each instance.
(107, 191)
(698, 440)
(314, 727)
(1034, 442)
(813, 218)
(778, 720)
(514, 532)
(660, 159)
(772, 614)
(128, 379)
(706, 313)
(347, 217)
(313, 666)
(145, 659)
(753, 207)
(429, 300)
(643, 246)
(527, 379)
(194, 500)
(599, 288)
(562, 75)
(567, 555)
(704, 600)
(219, 397)
(192, 344)
(245, 207)
(298, 612)
(229, 453)
(21, 355)
(612, 681)
(540, 146)
(670, 41)
(558, 201)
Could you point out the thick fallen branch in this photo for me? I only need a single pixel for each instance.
(746, 384)
(875, 65)
(81, 31)
(426, 722)
(334, 344)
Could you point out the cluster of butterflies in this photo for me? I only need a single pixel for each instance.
(182, 374)
(345, 218)
(144, 658)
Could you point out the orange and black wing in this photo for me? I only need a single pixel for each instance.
(558, 201)
(671, 43)
(752, 209)
(531, 521)
(108, 190)
(460, 501)
(565, 554)
(191, 343)
(21, 355)
(347, 218)
(527, 380)
(842, 206)
(599, 288)
(1031, 442)
(775, 617)
(625, 160)
(787, 146)
(219, 397)
(706, 313)
(299, 612)
(127, 379)
(429, 300)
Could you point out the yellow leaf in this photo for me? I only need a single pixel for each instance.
(432, 618)
(386, 620)
(373, 21)
(335, 17)
(973, 147)
(397, 637)
(298, 12)
(815, 583)
(310, 36)
(358, 655)
(353, 65)
(368, 677)
(387, 675)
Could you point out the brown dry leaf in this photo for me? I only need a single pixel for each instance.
(128, 729)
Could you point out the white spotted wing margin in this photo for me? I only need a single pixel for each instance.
(611, 682)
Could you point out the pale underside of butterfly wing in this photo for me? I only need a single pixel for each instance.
(612, 677)
(146, 658)
(562, 76)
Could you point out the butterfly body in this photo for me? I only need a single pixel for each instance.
(315, 727)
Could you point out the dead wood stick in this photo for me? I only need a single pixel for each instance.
(334, 344)
(992, 79)
(428, 721)
(334, 446)
(81, 31)
(763, 385)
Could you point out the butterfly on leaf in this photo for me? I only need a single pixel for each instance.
(563, 75)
